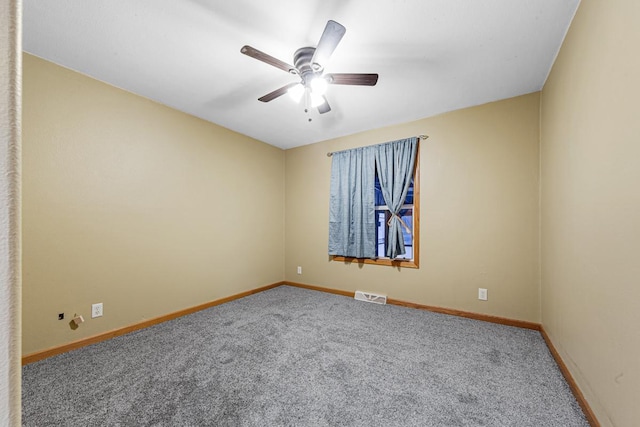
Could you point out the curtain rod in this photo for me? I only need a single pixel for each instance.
(330, 153)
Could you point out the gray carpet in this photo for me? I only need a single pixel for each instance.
(294, 357)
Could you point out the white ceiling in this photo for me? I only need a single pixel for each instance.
(432, 56)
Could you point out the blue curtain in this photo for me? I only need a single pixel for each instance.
(352, 227)
(394, 163)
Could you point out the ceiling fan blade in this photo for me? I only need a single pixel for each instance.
(324, 107)
(352, 79)
(276, 93)
(261, 56)
(329, 40)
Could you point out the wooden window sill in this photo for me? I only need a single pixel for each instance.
(411, 263)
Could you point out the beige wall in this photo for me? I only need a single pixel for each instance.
(478, 220)
(590, 197)
(135, 205)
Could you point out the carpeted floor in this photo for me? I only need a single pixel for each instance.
(294, 357)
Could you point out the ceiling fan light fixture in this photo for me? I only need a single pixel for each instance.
(319, 85)
(296, 92)
(316, 99)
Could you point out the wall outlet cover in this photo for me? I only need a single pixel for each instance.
(96, 310)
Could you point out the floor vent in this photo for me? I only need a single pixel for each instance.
(369, 297)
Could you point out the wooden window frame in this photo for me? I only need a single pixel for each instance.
(400, 263)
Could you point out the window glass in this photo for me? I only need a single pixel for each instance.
(382, 218)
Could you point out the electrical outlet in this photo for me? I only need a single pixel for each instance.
(96, 310)
(299, 270)
(482, 294)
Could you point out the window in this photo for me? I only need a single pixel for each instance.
(383, 215)
(409, 214)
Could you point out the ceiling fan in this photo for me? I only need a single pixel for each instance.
(309, 66)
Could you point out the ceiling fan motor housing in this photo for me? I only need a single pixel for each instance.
(302, 61)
